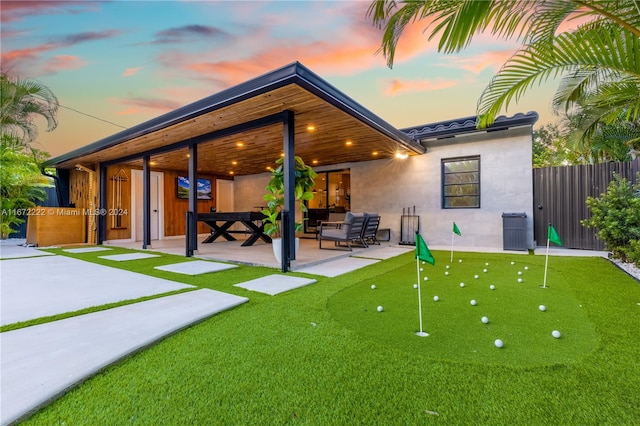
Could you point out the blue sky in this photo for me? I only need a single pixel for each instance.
(129, 61)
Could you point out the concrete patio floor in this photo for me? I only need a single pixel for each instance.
(259, 254)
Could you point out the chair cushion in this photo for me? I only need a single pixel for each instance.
(348, 219)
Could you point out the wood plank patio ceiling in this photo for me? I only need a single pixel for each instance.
(338, 137)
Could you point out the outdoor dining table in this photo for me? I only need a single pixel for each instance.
(252, 220)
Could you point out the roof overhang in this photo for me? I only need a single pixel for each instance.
(239, 132)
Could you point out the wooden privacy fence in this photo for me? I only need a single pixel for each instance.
(560, 195)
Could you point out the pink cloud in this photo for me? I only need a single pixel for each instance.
(63, 62)
(397, 86)
(493, 59)
(17, 10)
(131, 71)
(137, 105)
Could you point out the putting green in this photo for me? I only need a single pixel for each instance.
(456, 332)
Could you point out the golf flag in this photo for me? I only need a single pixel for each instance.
(553, 236)
(456, 231)
(422, 251)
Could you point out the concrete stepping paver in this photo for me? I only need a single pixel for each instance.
(42, 286)
(41, 362)
(10, 251)
(129, 256)
(196, 267)
(338, 266)
(86, 249)
(275, 284)
(382, 253)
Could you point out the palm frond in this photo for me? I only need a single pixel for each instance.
(605, 48)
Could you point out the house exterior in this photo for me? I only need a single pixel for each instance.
(449, 171)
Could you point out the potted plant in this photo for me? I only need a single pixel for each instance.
(303, 182)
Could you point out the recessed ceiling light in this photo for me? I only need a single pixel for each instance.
(152, 163)
(374, 153)
(282, 154)
(234, 162)
(311, 128)
(188, 155)
(240, 143)
(315, 161)
(348, 143)
(231, 172)
(402, 154)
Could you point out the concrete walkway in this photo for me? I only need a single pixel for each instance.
(41, 362)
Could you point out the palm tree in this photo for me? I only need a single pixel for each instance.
(21, 100)
(599, 60)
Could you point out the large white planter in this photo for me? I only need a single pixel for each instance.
(276, 244)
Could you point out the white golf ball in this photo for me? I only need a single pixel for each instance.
(436, 298)
(476, 277)
(484, 270)
(556, 334)
(492, 287)
(423, 262)
(461, 284)
(484, 320)
(526, 268)
(473, 302)
(415, 286)
(519, 272)
(426, 278)
(519, 280)
(447, 266)
(459, 260)
(446, 273)
(486, 264)
(513, 263)
(380, 309)
(373, 287)
(498, 343)
(421, 269)
(542, 308)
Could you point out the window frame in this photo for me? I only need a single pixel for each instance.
(444, 185)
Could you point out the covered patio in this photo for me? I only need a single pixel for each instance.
(238, 132)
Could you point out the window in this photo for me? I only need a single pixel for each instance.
(461, 183)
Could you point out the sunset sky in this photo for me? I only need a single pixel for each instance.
(128, 61)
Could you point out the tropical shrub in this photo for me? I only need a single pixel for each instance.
(616, 216)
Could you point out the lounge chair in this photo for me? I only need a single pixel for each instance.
(348, 231)
(371, 229)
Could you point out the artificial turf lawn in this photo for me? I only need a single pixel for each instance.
(454, 324)
(301, 357)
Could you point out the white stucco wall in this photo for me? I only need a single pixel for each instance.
(386, 186)
(506, 185)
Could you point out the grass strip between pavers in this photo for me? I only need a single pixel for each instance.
(302, 358)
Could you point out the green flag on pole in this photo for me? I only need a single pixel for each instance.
(553, 236)
(456, 230)
(422, 251)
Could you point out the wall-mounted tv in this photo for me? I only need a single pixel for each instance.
(203, 188)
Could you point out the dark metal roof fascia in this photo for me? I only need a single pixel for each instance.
(321, 88)
(450, 128)
(264, 83)
(294, 72)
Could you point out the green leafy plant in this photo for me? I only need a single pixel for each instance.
(303, 182)
(616, 215)
(21, 184)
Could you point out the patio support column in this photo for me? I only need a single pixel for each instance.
(192, 240)
(102, 218)
(146, 202)
(289, 208)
